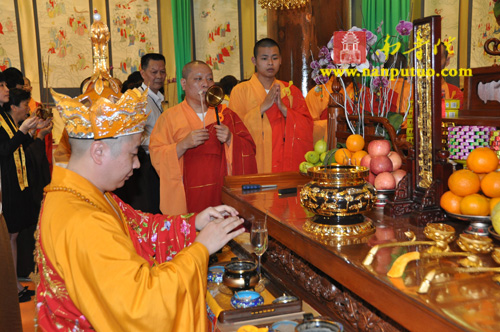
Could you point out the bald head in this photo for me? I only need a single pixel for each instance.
(107, 163)
(189, 67)
(79, 147)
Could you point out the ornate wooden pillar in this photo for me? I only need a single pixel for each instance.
(300, 31)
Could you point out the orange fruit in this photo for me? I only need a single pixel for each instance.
(490, 185)
(481, 176)
(464, 182)
(475, 205)
(493, 203)
(343, 156)
(357, 156)
(450, 202)
(482, 160)
(355, 143)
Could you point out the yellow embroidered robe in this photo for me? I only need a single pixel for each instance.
(87, 241)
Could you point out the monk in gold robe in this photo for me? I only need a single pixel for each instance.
(274, 112)
(192, 152)
(104, 266)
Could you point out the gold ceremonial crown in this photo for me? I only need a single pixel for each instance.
(104, 119)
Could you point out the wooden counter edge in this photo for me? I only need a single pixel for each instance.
(393, 303)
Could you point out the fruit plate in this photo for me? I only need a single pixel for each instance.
(493, 233)
(484, 219)
(477, 224)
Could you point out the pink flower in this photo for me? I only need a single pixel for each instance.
(185, 228)
(404, 28)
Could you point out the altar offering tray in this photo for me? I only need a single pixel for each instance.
(274, 289)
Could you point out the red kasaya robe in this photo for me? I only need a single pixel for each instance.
(281, 141)
(206, 165)
(207, 168)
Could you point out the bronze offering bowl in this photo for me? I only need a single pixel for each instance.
(240, 275)
(323, 324)
(338, 194)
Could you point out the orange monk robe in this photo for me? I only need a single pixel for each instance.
(63, 151)
(317, 101)
(172, 127)
(281, 142)
(103, 250)
(403, 88)
(452, 92)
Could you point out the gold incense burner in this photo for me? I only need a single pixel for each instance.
(338, 195)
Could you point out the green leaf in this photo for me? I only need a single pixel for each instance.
(395, 119)
(330, 157)
(496, 9)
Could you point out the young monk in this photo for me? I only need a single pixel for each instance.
(274, 112)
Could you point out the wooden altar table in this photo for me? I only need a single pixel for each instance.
(333, 280)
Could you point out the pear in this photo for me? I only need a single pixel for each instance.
(495, 218)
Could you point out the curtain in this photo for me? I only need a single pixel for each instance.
(181, 16)
(388, 11)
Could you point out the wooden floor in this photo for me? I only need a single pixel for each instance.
(28, 311)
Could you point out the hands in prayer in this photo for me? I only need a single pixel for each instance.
(45, 127)
(216, 233)
(274, 96)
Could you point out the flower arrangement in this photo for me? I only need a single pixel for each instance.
(372, 90)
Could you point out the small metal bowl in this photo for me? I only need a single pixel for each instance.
(246, 299)
(285, 299)
(240, 275)
(215, 274)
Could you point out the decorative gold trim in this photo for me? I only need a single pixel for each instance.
(337, 175)
(475, 243)
(340, 234)
(439, 232)
(424, 86)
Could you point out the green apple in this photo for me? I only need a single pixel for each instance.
(304, 166)
(320, 146)
(322, 156)
(312, 157)
(495, 218)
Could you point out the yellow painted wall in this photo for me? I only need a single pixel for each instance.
(29, 46)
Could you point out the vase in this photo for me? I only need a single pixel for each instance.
(338, 196)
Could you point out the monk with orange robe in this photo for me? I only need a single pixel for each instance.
(104, 266)
(192, 153)
(274, 112)
(448, 90)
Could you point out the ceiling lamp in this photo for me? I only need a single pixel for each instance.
(282, 4)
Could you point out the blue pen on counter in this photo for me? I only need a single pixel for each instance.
(258, 186)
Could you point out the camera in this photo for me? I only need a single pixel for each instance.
(44, 113)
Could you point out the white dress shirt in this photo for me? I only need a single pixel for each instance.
(155, 109)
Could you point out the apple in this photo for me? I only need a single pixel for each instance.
(398, 175)
(396, 160)
(371, 178)
(365, 161)
(380, 147)
(312, 157)
(385, 181)
(320, 146)
(322, 156)
(380, 164)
